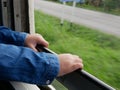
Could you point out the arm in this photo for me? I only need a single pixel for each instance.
(35, 64)
(23, 64)
(7, 36)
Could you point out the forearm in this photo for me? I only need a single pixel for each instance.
(7, 36)
(23, 64)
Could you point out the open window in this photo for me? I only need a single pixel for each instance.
(19, 15)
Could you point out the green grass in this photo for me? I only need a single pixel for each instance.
(100, 52)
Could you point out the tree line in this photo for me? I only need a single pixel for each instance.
(106, 4)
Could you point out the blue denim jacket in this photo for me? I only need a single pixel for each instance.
(19, 63)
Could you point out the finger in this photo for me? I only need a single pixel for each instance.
(42, 41)
(33, 47)
(75, 55)
(78, 66)
(78, 59)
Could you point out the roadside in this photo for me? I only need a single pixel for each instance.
(104, 22)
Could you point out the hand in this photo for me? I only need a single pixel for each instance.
(69, 63)
(33, 39)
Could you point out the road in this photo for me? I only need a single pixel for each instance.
(104, 22)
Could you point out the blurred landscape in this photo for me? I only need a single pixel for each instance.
(100, 52)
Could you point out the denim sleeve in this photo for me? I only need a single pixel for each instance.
(22, 64)
(7, 36)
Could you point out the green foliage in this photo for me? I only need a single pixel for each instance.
(94, 2)
(100, 52)
(107, 6)
(112, 4)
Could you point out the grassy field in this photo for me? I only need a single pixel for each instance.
(100, 52)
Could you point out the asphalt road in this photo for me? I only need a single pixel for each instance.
(104, 22)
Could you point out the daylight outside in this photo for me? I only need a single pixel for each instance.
(87, 28)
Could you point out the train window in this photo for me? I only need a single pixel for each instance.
(93, 35)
